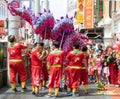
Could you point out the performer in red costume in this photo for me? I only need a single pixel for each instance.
(75, 59)
(36, 61)
(28, 55)
(16, 63)
(111, 59)
(119, 76)
(55, 62)
(84, 70)
(44, 67)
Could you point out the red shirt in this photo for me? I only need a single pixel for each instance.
(15, 52)
(35, 58)
(56, 57)
(75, 58)
(86, 58)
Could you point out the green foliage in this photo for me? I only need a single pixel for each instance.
(100, 85)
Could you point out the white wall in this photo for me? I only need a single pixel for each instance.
(3, 10)
(58, 8)
(72, 5)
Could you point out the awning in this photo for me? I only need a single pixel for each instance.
(94, 33)
(93, 30)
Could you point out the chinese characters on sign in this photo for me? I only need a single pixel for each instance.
(80, 11)
(88, 18)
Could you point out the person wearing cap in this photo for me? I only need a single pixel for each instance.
(16, 64)
(84, 69)
(74, 59)
(55, 62)
(36, 67)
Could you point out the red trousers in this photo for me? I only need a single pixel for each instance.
(36, 76)
(118, 77)
(73, 76)
(84, 76)
(55, 77)
(113, 73)
(66, 77)
(17, 67)
(44, 72)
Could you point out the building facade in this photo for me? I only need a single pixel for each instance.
(110, 20)
(3, 44)
(3, 10)
(3, 17)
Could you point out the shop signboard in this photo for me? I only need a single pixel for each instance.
(1, 26)
(80, 12)
(88, 18)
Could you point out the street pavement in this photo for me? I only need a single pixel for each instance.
(111, 93)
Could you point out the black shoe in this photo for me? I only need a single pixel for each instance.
(44, 88)
(60, 89)
(15, 90)
(24, 90)
(38, 95)
(33, 93)
(65, 87)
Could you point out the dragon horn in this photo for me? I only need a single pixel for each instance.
(61, 17)
(45, 10)
(40, 13)
(49, 11)
(24, 7)
(66, 15)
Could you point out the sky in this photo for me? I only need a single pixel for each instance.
(57, 7)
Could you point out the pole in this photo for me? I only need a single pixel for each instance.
(45, 35)
(62, 40)
(37, 10)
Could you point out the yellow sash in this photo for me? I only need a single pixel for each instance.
(36, 67)
(57, 65)
(15, 60)
(77, 67)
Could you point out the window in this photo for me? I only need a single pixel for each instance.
(101, 8)
(114, 6)
(0, 9)
(110, 9)
(3, 55)
(3, 10)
